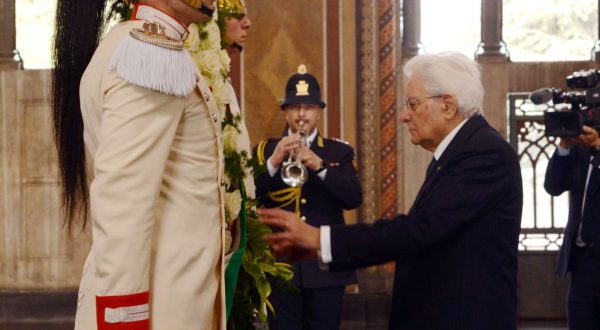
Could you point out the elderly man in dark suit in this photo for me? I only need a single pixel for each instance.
(575, 167)
(456, 249)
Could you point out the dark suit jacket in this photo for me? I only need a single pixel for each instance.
(322, 202)
(568, 173)
(456, 249)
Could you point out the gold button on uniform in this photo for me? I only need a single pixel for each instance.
(303, 218)
(303, 201)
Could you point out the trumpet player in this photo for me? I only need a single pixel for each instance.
(331, 186)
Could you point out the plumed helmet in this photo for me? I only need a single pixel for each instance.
(302, 87)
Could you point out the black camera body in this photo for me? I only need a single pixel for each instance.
(585, 104)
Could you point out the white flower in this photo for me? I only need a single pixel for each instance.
(192, 42)
(225, 61)
(233, 205)
(209, 64)
(213, 39)
(230, 137)
(219, 91)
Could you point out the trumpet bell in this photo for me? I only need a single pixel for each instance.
(294, 174)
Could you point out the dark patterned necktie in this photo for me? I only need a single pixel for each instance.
(431, 169)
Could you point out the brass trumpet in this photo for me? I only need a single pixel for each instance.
(293, 172)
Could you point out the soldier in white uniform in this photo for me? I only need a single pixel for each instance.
(151, 132)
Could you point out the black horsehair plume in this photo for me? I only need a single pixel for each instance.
(79, 25)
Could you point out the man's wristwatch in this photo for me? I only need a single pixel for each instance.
(206, 10)
(322, 167)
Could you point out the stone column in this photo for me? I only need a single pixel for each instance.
(411, 18)
(8, 58)
(490, 48)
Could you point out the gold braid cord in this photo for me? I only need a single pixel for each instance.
(156, 41)
(260, 151)
(287, 196)
(284, 196)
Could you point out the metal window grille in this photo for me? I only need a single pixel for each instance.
(544, 216)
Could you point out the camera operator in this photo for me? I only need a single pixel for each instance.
(574, 167)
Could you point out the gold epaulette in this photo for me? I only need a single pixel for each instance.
(287, 196)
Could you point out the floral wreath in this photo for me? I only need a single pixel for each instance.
(250, 300)
(204, 45)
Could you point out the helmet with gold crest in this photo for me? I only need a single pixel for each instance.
(233, 22)
(232, 7)
(302, 88)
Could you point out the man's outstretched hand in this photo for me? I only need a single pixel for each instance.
(296, 241)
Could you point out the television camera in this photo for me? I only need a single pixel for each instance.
(584, 101)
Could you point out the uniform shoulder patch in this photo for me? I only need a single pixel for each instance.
(145, 59)
(341, 141)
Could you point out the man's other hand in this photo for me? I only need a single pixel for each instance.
(283, 148)
(310, 159)
(297, 241)
(587, 139)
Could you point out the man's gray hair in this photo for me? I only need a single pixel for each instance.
(449, 73)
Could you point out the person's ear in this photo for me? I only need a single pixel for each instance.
(450, 106)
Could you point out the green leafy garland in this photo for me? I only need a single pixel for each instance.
(253, 288)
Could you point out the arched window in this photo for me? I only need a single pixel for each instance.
(35, 30)
(550, 30)
(451, 25)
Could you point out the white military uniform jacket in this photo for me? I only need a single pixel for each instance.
(156, 197)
